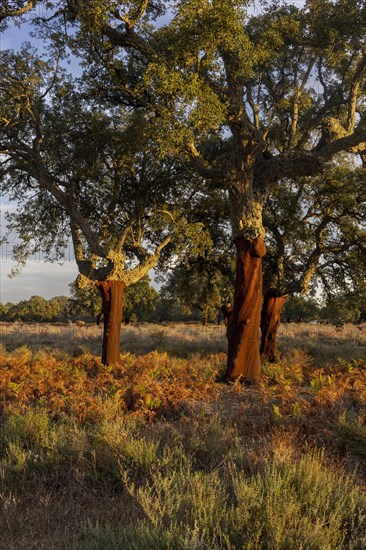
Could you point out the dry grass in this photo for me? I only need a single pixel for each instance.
(153, 454)
(324, 342)
(177, 339)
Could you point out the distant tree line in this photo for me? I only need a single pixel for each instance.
(37, 309)
(138, 305)
(145, 304)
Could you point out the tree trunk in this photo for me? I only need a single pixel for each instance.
(226, 311)
(244, 323)
(270, 321)
(112, 293)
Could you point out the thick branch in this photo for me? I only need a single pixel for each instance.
(41, 174)
(7, 13)
(130, 39)
(200, 164)
(352, 103)
(85, 266)
(295, 113)
(311, 265)
(133, 275)
(270, 171)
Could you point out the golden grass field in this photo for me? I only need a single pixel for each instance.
(181, 339)
(153, 454)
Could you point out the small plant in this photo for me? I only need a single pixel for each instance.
(321, 381)
(277, 416)
(159, 338)
(296, 410)
(353, 433)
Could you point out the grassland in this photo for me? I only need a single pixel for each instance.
(153, 454)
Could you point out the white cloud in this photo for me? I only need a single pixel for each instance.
(43, 279)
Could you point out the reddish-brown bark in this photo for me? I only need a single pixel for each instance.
(112, 294)
(270, 321)
(244, 323)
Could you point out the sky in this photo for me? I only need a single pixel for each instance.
(37, 277)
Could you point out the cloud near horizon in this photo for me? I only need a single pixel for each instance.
(37, 278)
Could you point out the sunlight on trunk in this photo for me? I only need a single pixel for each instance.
(244, 324)
(112, 293)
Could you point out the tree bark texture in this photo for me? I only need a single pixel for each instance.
(270, 321)
(244, 323)
(226, 311)
(112, 294)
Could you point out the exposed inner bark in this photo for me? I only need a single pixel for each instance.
(112, 293)
(244, 323)
(270, 321)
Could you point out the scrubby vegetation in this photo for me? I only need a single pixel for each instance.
(192, 138)
(153, 453)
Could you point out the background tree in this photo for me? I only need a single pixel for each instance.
(302, 308)
(341, 308)
(77, 169)
(3, 311)
(203, 282)
(60, 309)
(139, 301)
(276, 94)
(316, 235)
(198, 287)
(40, 310)
(85, 302)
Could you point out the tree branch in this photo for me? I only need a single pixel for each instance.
(5, 13)
(352, 102)
(130, 39)
(270, 171)
(133, 275)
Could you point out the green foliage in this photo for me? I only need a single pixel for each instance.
(86, 303)
(321, 381)
(345, 307)
(139, 301)
(40, 310)
(300, 308)
(3, 311)
(125, 208)
(353, 433)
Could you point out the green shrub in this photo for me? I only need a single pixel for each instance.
(353, 433)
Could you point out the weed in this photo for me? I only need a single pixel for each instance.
(321, 381)
(353, 432)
